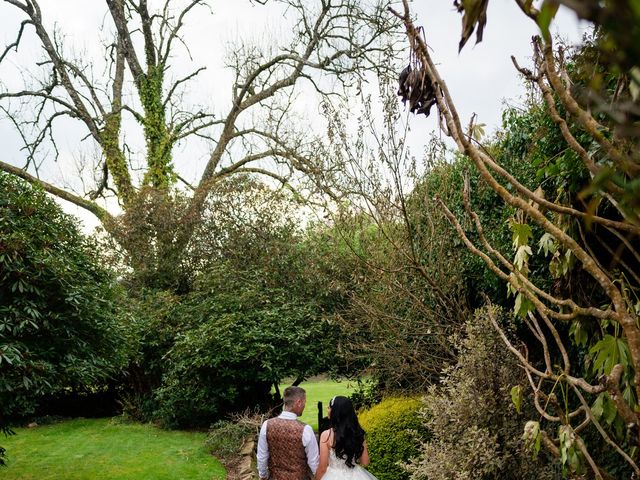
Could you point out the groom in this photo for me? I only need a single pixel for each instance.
(287, 448)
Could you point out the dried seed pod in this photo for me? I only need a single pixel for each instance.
(415, 87)
(402, 90)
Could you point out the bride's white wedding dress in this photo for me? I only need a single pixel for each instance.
(338, 470)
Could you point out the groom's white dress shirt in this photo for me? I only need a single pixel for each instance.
(308, 441)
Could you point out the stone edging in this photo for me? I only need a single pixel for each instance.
(243, 466)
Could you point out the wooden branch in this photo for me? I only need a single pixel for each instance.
(582, 116)
(44, 95)
(16, 43)
(549, 445)
(102, 183)
(32, 9)
(261, 171)
(604, 435)
(89, 86)
(223, 172)
(539, 334)
(116, 7)
(482, 159)
(240, 103)
(187, 184)
(613, 387)
(174, 32)
(522, 283)
(574, 381)
(483, 162)
(180, 81)
(147, 34)
(110, 135)
(179, 133)
(90, 206)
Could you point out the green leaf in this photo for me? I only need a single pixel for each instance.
(522, 305)
(521, 233)
(580, 336)
(532, 436)
(474, 15)
(547, 13)
(517, 306)
(628, 395)
(598, 406)
(547, 244)
(477, 131)
(521, 259)
(516, 397)
(608, 353)
(609, 411)
(624, 353)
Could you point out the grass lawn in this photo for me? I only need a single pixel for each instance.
(104, 449)
(321, 391)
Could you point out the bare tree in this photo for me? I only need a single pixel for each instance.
(613, 164)
(330, 39)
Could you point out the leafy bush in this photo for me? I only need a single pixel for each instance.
(475, 430)
(401, 316)
(243, 336)
(58, 313)
(393, 429)
(248, 305)
(152, 327)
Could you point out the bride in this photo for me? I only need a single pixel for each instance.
(343, 448)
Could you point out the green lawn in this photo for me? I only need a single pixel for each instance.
(321, 391)
(107, 449)
(102, 449)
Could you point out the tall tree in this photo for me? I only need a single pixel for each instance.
(336, 39)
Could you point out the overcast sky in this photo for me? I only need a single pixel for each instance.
(480, 78)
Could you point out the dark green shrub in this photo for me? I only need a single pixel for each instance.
(58, 306)
(151, 328)
(253, 310)
(393, 430)
(243, 336)
(58, 317)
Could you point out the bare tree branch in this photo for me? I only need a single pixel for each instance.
(92, 207)
(16, 43)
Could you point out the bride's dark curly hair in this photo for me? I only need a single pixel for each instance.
(348, 435)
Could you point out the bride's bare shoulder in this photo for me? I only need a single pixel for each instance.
(326, 436)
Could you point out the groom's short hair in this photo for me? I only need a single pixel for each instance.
(292, 394)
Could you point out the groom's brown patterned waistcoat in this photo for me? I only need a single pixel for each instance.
(287, 457)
